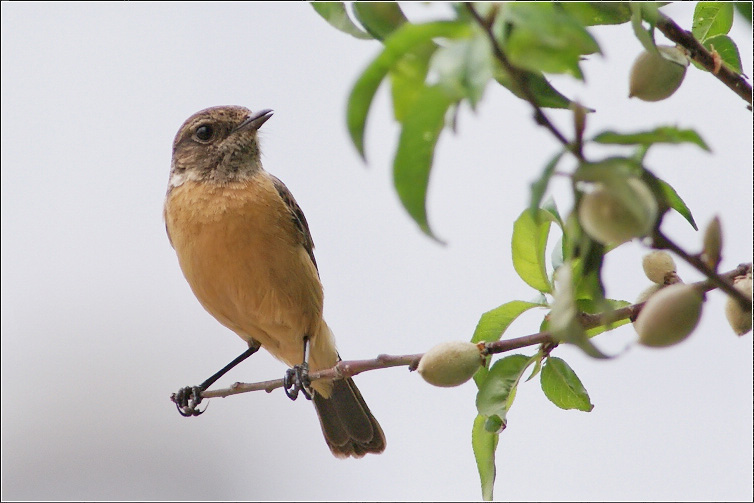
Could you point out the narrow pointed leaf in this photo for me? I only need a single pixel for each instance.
(416, 149)
(665, 134)
(562, 386)
(403, 40)
(528, 249)
(335, 14)
(484, 444)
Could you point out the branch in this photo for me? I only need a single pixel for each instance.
(518, 76)
(345, 369)
(660, 241)
(704, 57)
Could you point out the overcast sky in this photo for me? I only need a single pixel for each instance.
(99, 326)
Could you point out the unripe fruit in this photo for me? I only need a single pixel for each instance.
(657, 265)
(648, 292)
(611, 216)
(739, 318)
(669, 316)
(713, 244)
(451, 363)
(656, 76)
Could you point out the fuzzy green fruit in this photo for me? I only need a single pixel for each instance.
(656, 76)
(739, 318)
(657, 265)
(451, 363)
(669, 316)
(614, 215)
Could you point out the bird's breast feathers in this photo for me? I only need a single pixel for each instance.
(237, 246)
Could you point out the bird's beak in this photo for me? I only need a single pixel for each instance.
(255, 120)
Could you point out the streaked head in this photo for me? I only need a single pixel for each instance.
(217, 145)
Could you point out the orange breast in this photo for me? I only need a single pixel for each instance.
(239, 250)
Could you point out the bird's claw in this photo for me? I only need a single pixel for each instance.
(297, 379)
(187, 400)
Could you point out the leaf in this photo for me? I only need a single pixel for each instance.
(589, 306)
(744, 8)
(493, 324)
(598, 13)
(660, 135)
(711, 18)
(645, 36)
(335, 14)
(727, 49)
(484, 444)
(528, 249)
(545, 95)
(405, 39)
(562, 386)
(545, 38)
(407, 78)
(463, 67)
(564, 321)
(415, 152)
(539, 186)
(379, 18)
(675, 202)
(497, 391)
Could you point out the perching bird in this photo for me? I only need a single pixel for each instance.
(245, 249)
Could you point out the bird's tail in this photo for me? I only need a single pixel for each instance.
(349, 427)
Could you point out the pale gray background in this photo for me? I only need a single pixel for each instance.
(99, 326)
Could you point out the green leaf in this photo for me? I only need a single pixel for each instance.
(528, 249)
(463, 67)
(539, 186)
(335, 14)
(589, 306)
(407, 78)
(379, 18)
(484, 444)
(562, 387)
(405, 39)
(645, 36)
(712, 18)
(415, 152)
(545, 38)
(660, 135)
(497, 391)
(493, 324)
(727, 49)
(545, 95)
(744, 8)
(675, 202)
(597, 13)
(564, 320)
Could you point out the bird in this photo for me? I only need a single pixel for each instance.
(245, 249)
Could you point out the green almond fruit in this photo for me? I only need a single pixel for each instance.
(657, 75)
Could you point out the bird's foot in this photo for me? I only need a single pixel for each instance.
(297, 379)
(187, 400)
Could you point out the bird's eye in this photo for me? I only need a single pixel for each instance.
(204, 133)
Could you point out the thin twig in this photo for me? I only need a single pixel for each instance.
(723, 282)
(704, 57)
(518, 76)
(351, 368)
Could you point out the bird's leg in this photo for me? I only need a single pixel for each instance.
(297, 378)
(188, 398)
